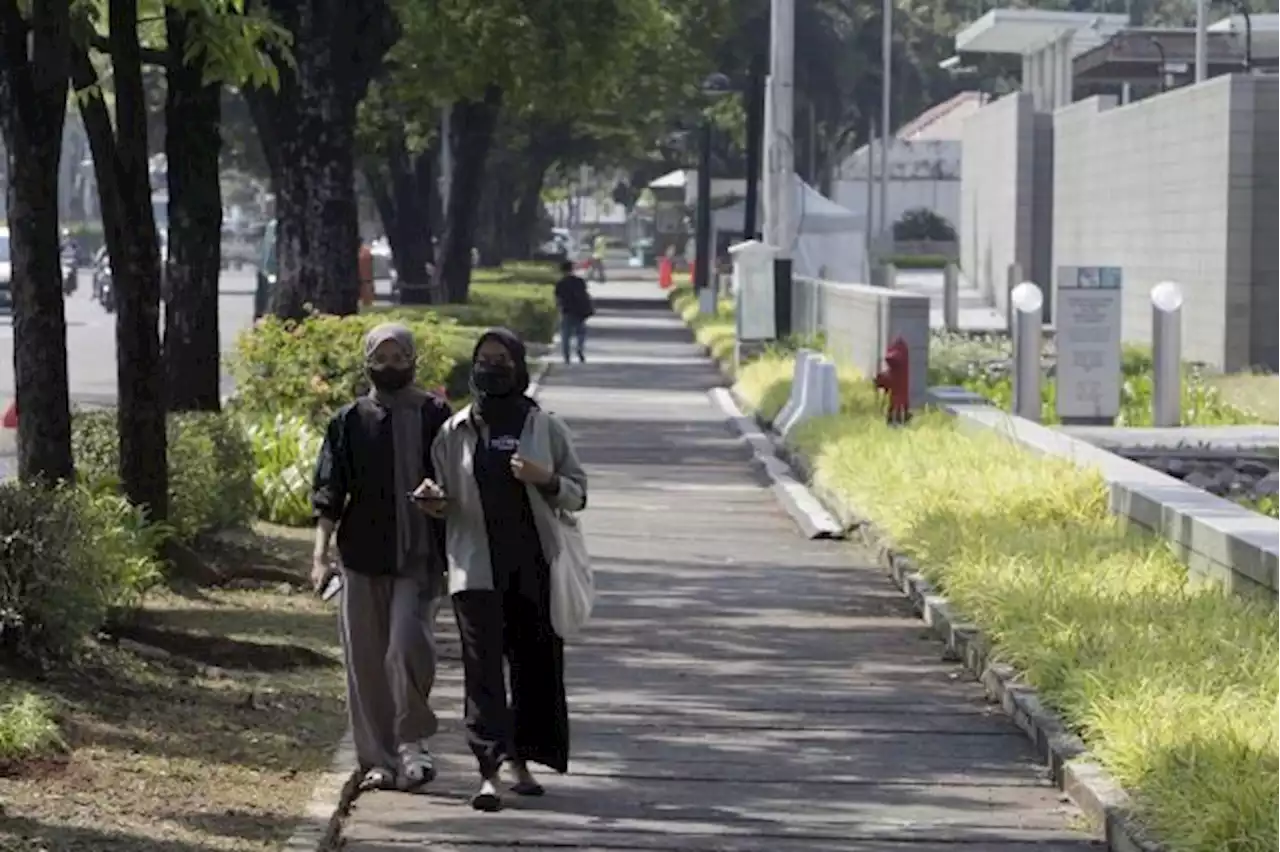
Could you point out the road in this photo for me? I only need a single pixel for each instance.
(91, 346)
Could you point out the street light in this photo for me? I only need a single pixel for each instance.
(715, 85)
(1243, 8)
(1155, 42)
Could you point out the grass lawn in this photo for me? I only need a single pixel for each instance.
(1256, 393)
(202, 726)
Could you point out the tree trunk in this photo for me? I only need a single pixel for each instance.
(33, 96)
(473, 124)
(307, 128)
(193, 143)
(524, 220)
(396, 192)
(140, 368)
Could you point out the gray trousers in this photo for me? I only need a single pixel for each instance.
(387, 635)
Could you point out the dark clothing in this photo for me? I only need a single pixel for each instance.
(573, 335)
(354, 485)
(573, 298)
(514, 547)
(535, 725)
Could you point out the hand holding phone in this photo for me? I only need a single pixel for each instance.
(430, 498)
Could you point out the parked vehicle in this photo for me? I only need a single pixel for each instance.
(6, 273)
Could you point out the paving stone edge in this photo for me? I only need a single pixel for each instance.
(320, 828)
(1073, 770)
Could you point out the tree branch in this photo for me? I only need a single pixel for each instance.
(150, 55)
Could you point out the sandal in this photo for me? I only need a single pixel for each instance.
(417, 768)
(522, 781)
(378, 778)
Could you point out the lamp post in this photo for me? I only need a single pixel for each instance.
(715, 85)
(755, 141)
(1155, 42)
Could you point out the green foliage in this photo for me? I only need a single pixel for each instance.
(210, 468)
(980, 364)
(313, 367)
(66, 557)
(527, 309)
(284, 454)
(28, 725)
(923, 224)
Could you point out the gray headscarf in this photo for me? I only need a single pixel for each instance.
(405, 406)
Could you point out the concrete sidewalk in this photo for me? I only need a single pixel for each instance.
(741, 688)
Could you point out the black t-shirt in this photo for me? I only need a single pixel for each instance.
(573, 297)
(515, 551)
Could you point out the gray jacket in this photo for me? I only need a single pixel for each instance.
(546, 441)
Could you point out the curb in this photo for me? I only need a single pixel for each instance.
(805, 509)
(1104, 802)
(320, 828)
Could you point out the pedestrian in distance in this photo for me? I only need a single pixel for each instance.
(574, 301)
(376, 452)
(504, 468)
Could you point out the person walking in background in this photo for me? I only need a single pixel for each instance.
(376, 452)
(599, 248)
(504, 468)
(574, 301)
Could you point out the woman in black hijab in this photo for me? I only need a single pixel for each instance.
(505, 469)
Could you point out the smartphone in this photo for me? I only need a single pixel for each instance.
(424, 498)
(331, 588)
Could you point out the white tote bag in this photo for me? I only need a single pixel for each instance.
(573, 586)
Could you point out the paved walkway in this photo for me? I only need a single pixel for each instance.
(741, 688)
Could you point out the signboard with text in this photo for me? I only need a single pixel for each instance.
(1088, 343)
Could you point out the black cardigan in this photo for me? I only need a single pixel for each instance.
(354, 484)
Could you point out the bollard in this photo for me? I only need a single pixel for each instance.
(951, 297)
(797, 381)
(1166, 350)
(1027, 302)
(829, 388)
(1013, 277)
(890, 276)
(813, 396)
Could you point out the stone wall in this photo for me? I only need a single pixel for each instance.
(860, 321)
(1178, 187)
(1005, 195)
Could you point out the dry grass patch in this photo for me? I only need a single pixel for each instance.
(201, 726)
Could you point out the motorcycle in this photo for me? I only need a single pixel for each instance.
(103, 287)
(70, 279)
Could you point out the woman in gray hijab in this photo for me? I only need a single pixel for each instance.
(376, 452)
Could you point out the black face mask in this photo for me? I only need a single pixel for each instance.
(493, 379)
(391, 379)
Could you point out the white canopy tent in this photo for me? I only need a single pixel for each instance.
(831, 242)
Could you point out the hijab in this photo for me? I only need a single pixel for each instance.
(405, 406)
(508, 409)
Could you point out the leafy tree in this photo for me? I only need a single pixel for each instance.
(307, 127)
(33, 96)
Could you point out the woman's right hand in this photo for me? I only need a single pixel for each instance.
(320, 570)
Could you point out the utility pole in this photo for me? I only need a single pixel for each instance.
(1202, 40)
(886, 123)
(782, 45)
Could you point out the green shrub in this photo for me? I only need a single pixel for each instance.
(66, 557)
(210, 468)
(284, 455)
(28, 725)
(527, 309)
(312, 368)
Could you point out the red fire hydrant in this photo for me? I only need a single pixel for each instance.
(895, 381)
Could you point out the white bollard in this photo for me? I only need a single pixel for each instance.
(829, 383)
(811, 394)
(797, 376)
(1027, 302)
(1166, 351)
